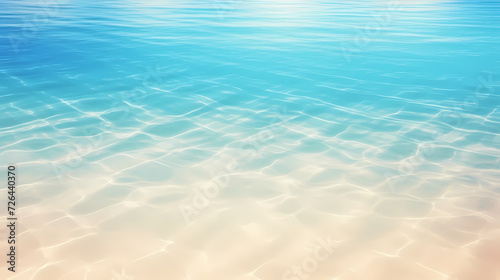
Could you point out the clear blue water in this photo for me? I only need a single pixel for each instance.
(379, 66)
(391, 97)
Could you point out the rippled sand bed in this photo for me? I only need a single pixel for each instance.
(256, 140)
(220, 195)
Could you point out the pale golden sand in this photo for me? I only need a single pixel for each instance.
(385, 164)
(118, 216)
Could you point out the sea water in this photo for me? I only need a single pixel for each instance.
(238, 140)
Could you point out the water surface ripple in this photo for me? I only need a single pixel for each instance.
(225, 140)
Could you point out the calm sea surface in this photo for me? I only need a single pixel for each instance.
(247, 140)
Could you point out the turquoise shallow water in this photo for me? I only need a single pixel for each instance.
(373, 122)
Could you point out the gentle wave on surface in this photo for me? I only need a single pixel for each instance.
(234, 139)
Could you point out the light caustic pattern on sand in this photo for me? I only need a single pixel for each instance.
(235, 141)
